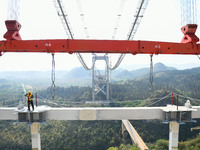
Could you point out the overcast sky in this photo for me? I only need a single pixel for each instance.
(39, 20)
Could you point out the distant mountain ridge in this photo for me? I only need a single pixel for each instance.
(158, 67)
(81, 73)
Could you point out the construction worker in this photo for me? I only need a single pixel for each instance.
(30, 100)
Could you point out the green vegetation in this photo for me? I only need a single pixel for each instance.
(104, 135)
(71, 135)
(87, 135)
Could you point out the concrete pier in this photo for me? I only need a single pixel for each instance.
(35, 136)
(173, 135)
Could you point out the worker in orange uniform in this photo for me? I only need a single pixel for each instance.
(30, 100)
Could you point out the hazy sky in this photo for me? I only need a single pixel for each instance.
(39, 20)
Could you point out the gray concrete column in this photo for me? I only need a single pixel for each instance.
(35, 136)
(173, 135)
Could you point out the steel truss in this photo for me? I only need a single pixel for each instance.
(100, 80)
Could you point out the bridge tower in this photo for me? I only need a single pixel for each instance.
(100, 79)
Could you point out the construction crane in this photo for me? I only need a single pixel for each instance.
(188, 45)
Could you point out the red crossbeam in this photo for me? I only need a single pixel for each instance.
(98, 46)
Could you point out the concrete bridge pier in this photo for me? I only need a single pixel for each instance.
(173, 135)
(35, 136)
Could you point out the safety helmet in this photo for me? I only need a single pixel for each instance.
(29, 92)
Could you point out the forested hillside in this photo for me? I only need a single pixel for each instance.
(183, 82)
(98, 135)
(88, 135)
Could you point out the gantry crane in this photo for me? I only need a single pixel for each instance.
(13, 43)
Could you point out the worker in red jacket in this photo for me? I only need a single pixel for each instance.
(30, 100)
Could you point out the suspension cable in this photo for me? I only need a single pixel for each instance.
(63, 17)
(82, 17)
(151, 74)
(119, 14)
(141, 7)
(53, 86)
(80, 58)
(64, 20)
(1, 54)
(120, 58)
(198, 57)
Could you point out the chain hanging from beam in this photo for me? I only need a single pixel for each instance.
(151, 74)
(53, 86)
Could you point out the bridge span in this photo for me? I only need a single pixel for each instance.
(170, 114)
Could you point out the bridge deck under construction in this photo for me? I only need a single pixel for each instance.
(103, 113)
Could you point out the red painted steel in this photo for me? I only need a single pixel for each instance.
(15, 44)
(189, 34)
(99, 46)
(13, 28)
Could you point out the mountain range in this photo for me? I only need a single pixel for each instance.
(80, 73)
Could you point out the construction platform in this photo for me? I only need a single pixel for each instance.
(45, 113)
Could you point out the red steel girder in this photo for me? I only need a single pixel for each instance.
(99, 46)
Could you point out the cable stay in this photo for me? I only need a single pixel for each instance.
(186, 97)
(168, 96)
(63, 17)
(159, 100)
(141, 7)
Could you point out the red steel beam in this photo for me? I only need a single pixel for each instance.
(99, 46)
